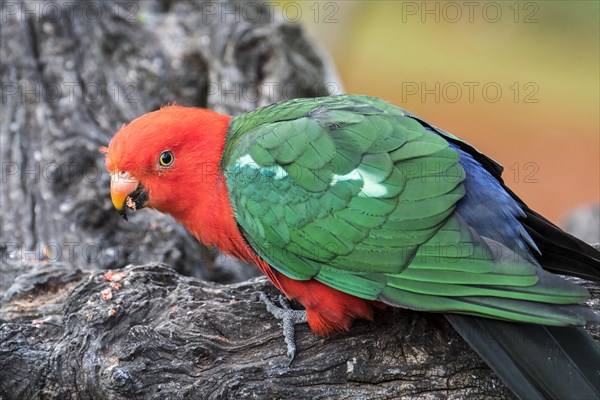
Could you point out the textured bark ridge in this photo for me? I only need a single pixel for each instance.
(68, 330)
(147, 332)
(165, 336)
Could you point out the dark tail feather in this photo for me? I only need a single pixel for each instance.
(535, 361)
(561, 253)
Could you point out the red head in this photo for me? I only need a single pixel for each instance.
(169, 160)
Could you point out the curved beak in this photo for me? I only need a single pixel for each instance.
(126, 192)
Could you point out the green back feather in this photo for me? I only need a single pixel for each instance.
(356, 193)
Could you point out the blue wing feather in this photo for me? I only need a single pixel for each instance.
(490, 210)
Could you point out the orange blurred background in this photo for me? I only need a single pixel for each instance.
(518, 80)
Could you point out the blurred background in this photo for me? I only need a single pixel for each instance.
(518, 80)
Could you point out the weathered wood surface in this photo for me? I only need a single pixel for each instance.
(152, 333)
(68, 84)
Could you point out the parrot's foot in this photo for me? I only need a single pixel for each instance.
(289, 317)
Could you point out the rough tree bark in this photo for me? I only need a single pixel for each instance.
(146, 332)
(72, 73)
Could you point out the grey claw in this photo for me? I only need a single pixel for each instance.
(289, 318)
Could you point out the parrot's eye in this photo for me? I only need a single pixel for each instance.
(166, 158)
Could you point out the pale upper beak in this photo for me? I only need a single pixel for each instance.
(122, 186)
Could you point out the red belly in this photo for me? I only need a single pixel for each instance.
(328, 310)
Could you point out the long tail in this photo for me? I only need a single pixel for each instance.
(535, 361)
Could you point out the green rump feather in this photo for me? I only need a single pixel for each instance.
(357, 194)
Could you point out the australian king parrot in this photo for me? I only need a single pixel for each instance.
(349, 202)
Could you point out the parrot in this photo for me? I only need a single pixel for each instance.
(348, 203)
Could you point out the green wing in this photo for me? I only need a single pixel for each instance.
(357, 194)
